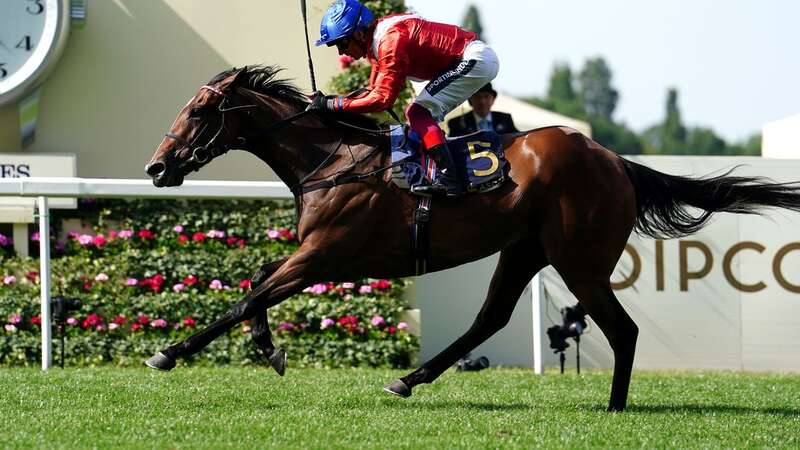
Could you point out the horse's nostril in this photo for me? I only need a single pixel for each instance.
(155, 168)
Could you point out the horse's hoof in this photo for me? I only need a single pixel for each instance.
(160, 361)
(278, 361)
(397, 387)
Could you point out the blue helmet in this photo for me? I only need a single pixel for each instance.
(343, 18)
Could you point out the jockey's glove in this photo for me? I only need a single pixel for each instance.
(322, 102)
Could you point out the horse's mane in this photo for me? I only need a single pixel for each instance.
(264, 80)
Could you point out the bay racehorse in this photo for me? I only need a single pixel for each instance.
(569, 203)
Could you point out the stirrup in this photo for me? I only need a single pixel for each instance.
(429, 189)
(444, 185)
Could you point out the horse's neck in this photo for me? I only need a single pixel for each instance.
(298, 150)
(303, 146)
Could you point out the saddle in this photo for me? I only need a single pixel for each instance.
(478, 157)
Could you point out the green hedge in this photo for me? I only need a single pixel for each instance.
(151, 272)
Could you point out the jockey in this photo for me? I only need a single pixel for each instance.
(401, 46)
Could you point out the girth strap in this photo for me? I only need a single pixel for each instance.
(421, 236)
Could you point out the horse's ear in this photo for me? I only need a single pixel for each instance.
(232, 80)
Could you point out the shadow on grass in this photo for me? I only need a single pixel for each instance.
(450, 405)
(692, 408)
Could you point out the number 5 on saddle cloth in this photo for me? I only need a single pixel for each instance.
(478, 157)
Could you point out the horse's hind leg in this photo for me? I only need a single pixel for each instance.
(517, 266)
(603, 307)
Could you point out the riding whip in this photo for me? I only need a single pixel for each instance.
(308, 46)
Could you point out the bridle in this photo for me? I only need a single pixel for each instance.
(202, 154)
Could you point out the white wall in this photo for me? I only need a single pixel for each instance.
(781, 138)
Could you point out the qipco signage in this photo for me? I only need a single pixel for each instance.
(692, 260)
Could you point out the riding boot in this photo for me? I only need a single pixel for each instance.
(449, 182)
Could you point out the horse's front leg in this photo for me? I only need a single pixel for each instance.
(262, 336)
(290, 278)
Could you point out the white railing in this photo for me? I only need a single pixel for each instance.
(46, 187)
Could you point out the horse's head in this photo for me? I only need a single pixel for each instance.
(203, 130)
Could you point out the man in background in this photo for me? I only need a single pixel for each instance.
(481, 117)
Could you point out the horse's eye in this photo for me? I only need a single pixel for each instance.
(196, 112)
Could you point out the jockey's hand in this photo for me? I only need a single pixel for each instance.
(322, 102)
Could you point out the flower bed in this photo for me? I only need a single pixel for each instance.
(151, 272)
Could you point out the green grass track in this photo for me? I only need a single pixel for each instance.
(233, 407)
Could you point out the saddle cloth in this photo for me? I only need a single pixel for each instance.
(478, 157)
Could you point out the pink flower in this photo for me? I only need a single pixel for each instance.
(142, 320)
(189, 322)
(101, 277)
(216, 234)
(377, 321)
(159, 323)
(72, 321)
(347, 297)
(131, 282)
(113, 326)
(182, 239)
(85, 239)
(178, 287)
(326, 322)
(15, 319)
(348, 285)
(391, 330)
(245, 284)
(99, 240)
(112, 234)
(178, 229)
(119, 320)
(10, 328)
(198, 237)
(345, 61)
(125, 234)
(285, 326)
(402, 326)
(4, 241)
(100, 327)
(273, 234)
(9, 279)
(365, 289)
(35, 236)
(190, 280)
(36, 320)
(319, 288)
(215, 284)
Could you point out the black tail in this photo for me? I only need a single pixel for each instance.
(664, 202)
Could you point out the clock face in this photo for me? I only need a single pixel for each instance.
(29, 37)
